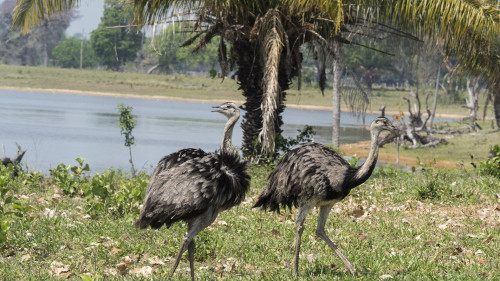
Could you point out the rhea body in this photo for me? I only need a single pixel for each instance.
(193, 186)
(313, 175)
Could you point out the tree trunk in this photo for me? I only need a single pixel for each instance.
(472, 102)
(337, 72)
(496, 104)
(45, 53)
(249, 77)
(434, 102)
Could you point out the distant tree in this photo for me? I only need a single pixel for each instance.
(113, 43)
(368, 64)
(174, 58)
(33, 48)
(67, 53)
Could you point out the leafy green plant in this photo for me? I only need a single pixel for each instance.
(100, 191)
(33, 179)
(11, 208)
(111, 191)
(68, 177)
(354, 160)
(127, 124)
(282, 144)
(491, 166)
(130, 196)
(387, 171)
(305, 135)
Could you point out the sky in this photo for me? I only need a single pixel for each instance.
(90, 12)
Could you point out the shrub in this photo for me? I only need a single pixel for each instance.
(491, 166)
(114, 192)
(68, 177)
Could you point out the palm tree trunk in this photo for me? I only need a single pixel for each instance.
(496, 104)
(249, 76)
(337, 72)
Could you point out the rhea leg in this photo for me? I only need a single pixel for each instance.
(194, 228)
(191, 258)
(304, 210)
(320, 231)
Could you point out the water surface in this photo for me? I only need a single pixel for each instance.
(57, 128)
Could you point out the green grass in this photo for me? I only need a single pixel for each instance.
(426, 225)
(185, 86)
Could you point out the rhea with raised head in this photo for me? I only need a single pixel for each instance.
(313, 175)
(193, 186)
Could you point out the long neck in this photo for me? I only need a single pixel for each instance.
(228, 133)
(365, 170)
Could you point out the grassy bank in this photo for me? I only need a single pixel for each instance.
(423, 225)
(191, 87)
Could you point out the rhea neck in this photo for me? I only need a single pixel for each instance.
(364, 171)
(228, 132)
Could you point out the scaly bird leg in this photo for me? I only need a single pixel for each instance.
(320, 231)
(183, 248)
(191, 258)
(200, 223)
(304, 210)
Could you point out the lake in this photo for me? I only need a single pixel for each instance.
(57, 128)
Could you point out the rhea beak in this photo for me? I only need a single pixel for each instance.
(218, 107)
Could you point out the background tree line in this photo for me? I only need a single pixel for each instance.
(114, 48)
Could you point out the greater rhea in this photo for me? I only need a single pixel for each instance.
(194, 186)
(315, 176)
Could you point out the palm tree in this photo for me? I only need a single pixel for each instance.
(265, 36)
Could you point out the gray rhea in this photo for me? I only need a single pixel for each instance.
(315, 176)
(194, 186)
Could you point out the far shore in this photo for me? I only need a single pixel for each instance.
(108, 94)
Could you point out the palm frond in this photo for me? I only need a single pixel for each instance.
(273, 46)
(28, 13)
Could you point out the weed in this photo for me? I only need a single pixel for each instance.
(282, 144)
(434, 186)
(68, 177)
(127, 124)
(387, 171)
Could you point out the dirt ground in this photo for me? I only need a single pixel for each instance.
(361, 149)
